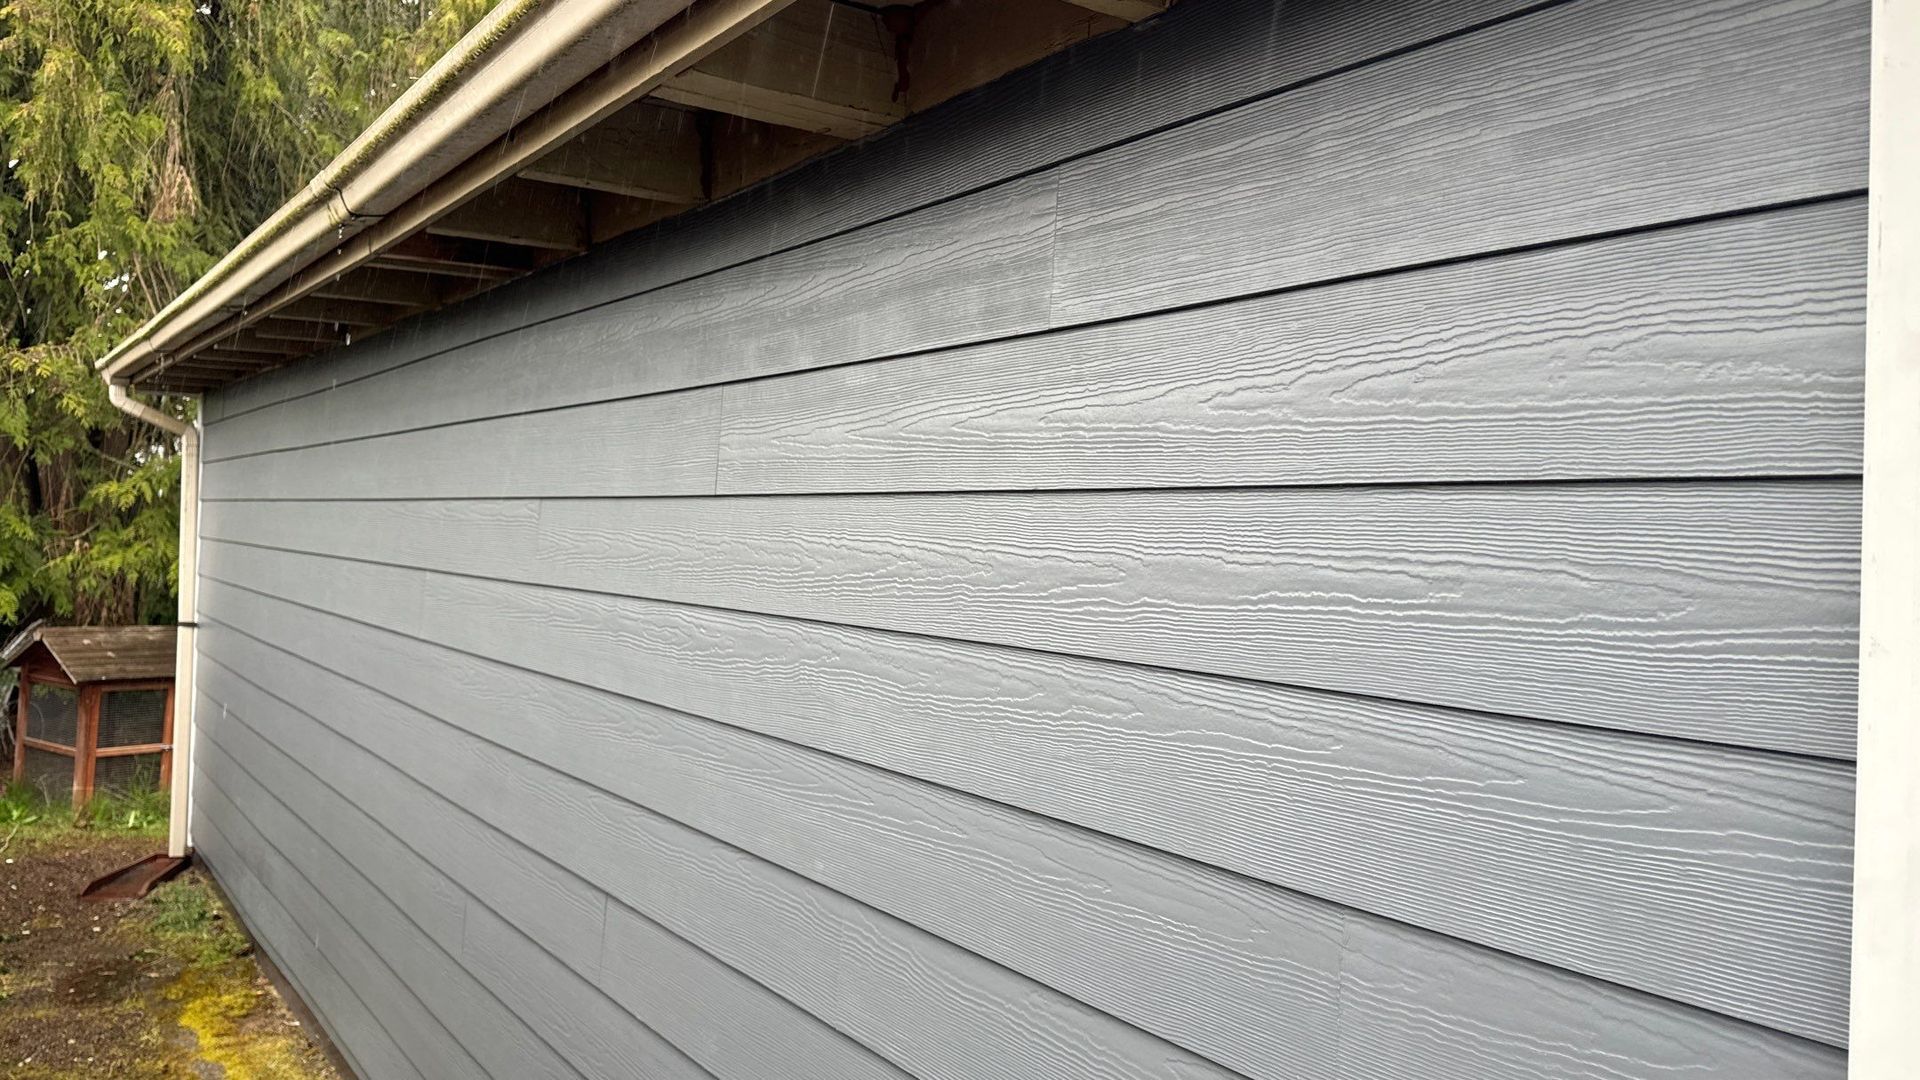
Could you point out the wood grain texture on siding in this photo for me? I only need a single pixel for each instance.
(810, 1049)
(597, 1035)
(945, 1006)
(1636, 1034)
(1582, 118)
(1715, 350)
(1720, 612)
(1236, 971)
(445, 1021)
(419, 1033)
(559, 911)
(977, 267)
(1543, 840)
(1195, 59)
(1402, 992)
(721, 1017)
(430, 900)
(652, 445)
(367, 1047)
(571, 1016)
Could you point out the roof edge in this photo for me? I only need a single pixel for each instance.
(521, 55)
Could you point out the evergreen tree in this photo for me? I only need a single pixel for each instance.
(142, 139)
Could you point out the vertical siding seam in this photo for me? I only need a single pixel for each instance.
(1341, 1055)
(1053, 247)
(719, 433)
(600, 951)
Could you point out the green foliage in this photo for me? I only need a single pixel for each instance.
(143, 138)
(141, 810)
(184, 916)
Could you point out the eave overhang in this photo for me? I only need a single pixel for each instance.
(556, 125)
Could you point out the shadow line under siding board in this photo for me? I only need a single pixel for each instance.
(905, 994)
(1232, 970)
(1722, 348)
(980, 266)
(1572, 833)
(1197, 58)
(575, 1017)
(444, 1021)
(353, 1029)
(1720, 612)
(1463, 995)
(804, 1047)
(1716, 349)
(969, 269)
(556, 909)
(1581, 118)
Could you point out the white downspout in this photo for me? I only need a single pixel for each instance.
(181, 795)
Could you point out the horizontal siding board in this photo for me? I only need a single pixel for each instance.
(1105, 91)
(1405, 995)
(1556, 842)
(431, 902)
(367, 1047)
(539, 989)
(1582, 118)
(445, 1022)
(654, 445)
(1721, 349)
(562, 913)
(921, 1002)
(1715, 612)
(1633, 1035)
(597, 1035)
(1194, 59)
(1706, 611)
(970, 269)
(1237, 971)
(1730, 348)
(468, 773)
(653, 972)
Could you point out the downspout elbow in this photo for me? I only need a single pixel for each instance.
(140, 410)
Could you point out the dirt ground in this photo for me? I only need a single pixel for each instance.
(163, 988)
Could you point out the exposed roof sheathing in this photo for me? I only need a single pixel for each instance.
(99, 653)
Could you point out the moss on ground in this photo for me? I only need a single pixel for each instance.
(163, 988)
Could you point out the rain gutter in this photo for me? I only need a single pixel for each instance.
(520, 57)
(532, 74)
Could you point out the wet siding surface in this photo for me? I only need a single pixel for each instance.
(1287, 542)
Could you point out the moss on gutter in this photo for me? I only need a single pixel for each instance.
(433, 88)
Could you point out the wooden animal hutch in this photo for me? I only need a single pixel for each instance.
(95, 709)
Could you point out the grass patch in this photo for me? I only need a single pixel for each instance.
(26, 814)
(162, 988)
(184, 917)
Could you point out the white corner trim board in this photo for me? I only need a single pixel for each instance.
(1886, 924)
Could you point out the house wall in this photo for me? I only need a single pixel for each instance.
(1307, 541)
